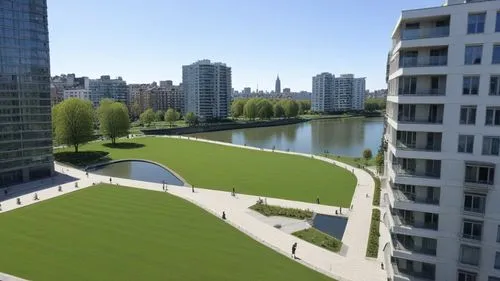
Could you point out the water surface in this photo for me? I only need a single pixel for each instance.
(331, 225)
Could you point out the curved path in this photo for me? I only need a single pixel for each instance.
(350, 266)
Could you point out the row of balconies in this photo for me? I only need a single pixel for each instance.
(422, 85)
(416, 113)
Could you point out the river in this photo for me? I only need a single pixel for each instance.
(346, 137)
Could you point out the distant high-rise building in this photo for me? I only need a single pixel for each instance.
(337, 94)
(287, 91)
(207, 89)
(247, 91)
(107, 88)
(166, 84)
(25, 104)
(277, 87)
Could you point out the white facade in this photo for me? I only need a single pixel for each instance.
(337, 94)
(442, 183)
(207, 89)
(83, 94)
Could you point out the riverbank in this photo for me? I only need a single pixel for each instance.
(252, 124)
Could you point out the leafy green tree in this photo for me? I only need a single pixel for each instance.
(147, 117)
(367, 154)
(191, 118)
(135, 110)
(291, 108)
(114, 120)
(74, 121)
(237, 108)
(264, 109)
(278, 110)
(250, 109)
(379, 161)
(372, 104)
(177, 115)
(171, 116)
(159, 115)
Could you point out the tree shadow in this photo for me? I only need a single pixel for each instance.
(83, 158)
(124, 145)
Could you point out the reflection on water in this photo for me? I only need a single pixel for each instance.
(338, 136)
(334, 226)
(138, 170)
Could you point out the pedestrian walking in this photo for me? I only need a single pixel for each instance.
(35, 197)
(341, 210)
(60, 188)
(87, 174)
(234, 192)
(317, 199)
(110, 180)
(192, 188)
(223, 215)
(294, 249)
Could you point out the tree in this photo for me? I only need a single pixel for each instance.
(135, 110)
(379, 161)
(291, 108)
(237, 108)
(114, 121)
(372, 104)
(367, 154)
(177, 115)
(159, 115)
(171, 116)
(278, 110)
(73, 119)
(147, 117)
(250, 109)
(264, 109)
(191, 118)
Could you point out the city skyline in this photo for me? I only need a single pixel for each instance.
(291, 43)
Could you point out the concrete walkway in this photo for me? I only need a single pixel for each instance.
(350, 266)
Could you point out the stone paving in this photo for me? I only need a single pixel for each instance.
(351, 265)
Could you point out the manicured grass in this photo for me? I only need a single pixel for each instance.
(119, 233)
(319, 238)
(372, 248)
(268, 210)
(254, 172)
(353, 161)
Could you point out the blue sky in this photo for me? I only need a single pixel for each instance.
(149, 40)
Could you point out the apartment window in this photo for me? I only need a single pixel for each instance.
(470, 85)
(468, 115)
(494, 86)
(465, 143)
(493, 116)
(466, 276)
(496, 54)
(492, 278)
(479, 174)
(469, 255)
(491, 145)
(474, 203)
(472, 229)
(475, 23)
(498, 233)
(473, 54)
(497, 260)
(497, 25)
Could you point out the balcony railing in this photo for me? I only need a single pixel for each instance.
(413, 146)
(424, 120)
(421, 61)
(410, 197)
(400, 171)
(422, 93)
(426, 275)
(398, 221)
(412, 248)
(470, 236)
(425, 32)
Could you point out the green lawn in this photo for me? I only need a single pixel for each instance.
(119, 233)
(249, 171)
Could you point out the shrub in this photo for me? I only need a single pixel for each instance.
(372, 248)
(319, 238)
(377, 191)
(268, 210)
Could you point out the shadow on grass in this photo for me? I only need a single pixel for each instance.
(83, 158)
(124, 145)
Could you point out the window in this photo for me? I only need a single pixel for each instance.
(498, 234)
(472, 229)
(468, 115)
(491, 145)
(476, 23)
(466, 276)
(465, 143)
(470, 85)
(474, 203)
(494, 86)
(473, 54)
(492, 278)
(497, 25)
(496, 54)
(497, 260)
(469, 255)
(481, 174)
(493, 116)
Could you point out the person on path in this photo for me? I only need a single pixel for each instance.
(294, 249)
(317, 199)
(223, 215)
(192, 188)
(234, 192)
(110, 180)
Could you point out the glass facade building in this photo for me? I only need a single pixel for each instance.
(25, 110)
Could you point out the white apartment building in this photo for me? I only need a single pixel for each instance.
(441, 188)
(207, 89)
(83, 94)
(337, 94)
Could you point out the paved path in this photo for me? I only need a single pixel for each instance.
(350, 266)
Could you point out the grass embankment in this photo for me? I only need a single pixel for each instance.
(319, 238)
(248, 171)
(373, 239)
(353, 161)
(110, 233)
(268, 210)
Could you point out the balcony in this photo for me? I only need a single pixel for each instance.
(409, 167)
(425, 32)
(418, 141)
(423, 61)
(417, 194)
(413, 270)
(421, 113)
(416, 219)
(479, 175)
(416, 245)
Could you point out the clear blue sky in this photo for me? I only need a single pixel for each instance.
(149, 40)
